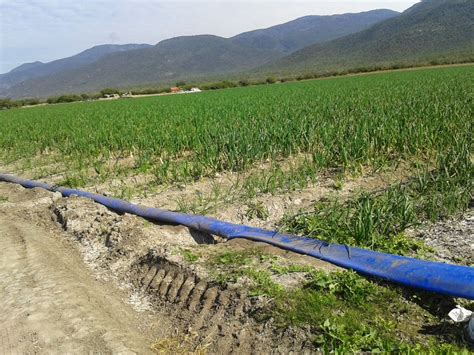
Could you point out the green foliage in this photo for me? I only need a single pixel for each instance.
(189, 256)
(29, 102)
(8, 103)
(343, 312)
(343, 123)
(349, 314)
(247, 263)
(432, 31)
(263, 284)
(289, 269)
(345, 285)
(65, 99)
(219, 85)
(233, 258)
(69, 98)
(110, 91)
(257, 210)
(377, 220)
(75, 181)
(150, 91)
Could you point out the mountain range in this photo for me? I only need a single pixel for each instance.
(430, 30)
(38, 69)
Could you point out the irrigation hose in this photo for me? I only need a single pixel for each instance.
(440, 278)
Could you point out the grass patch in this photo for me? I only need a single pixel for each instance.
(73, 182)
(342, 311)
(348, 313)
(257, 210)
(3, 199)
(241, 258)
(230, 266)
(189, 256)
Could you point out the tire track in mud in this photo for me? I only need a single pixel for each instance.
(220, 318)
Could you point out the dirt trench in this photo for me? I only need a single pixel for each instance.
(76, 277)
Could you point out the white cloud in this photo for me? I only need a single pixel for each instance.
(49, 29)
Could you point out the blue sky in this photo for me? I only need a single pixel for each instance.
(45, 30)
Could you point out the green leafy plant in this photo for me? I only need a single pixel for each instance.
(190, 256)
(257, 210)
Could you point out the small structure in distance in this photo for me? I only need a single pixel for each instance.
(191, 91)
(111, 96)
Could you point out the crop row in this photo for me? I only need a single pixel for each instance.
(343, 122)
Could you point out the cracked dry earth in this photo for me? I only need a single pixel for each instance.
(78, 278)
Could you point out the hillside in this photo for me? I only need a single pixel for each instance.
(196, 56)
(308, 30)
(427, 32)
(430, 30)
(170, 60)
(38, 69)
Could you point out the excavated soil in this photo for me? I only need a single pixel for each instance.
(76, 277)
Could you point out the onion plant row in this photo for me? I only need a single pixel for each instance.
(352, 121)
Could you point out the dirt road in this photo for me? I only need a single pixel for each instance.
(50, 303)
(78, 278)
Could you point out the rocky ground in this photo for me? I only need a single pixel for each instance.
(452, 241)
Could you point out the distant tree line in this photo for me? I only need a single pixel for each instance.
(7, 103)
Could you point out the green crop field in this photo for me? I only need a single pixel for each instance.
(339, 122)
(297, 130)
(281, 138)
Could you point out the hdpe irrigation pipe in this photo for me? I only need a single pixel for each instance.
(446, 279)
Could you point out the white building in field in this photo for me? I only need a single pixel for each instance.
(192, 91)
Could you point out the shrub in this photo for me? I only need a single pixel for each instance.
(28, 102)
(69, 98)
(219, 85)
(8, 103)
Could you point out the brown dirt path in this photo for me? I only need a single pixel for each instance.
(78, 278)
(49, 303)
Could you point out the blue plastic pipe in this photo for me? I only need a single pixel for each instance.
(446, 279)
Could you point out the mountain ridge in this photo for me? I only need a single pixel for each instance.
(182, 58)
(38, 69)
(434, 30)
(427, 31)
(301, 32)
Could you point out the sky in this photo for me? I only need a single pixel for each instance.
(46, 30)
